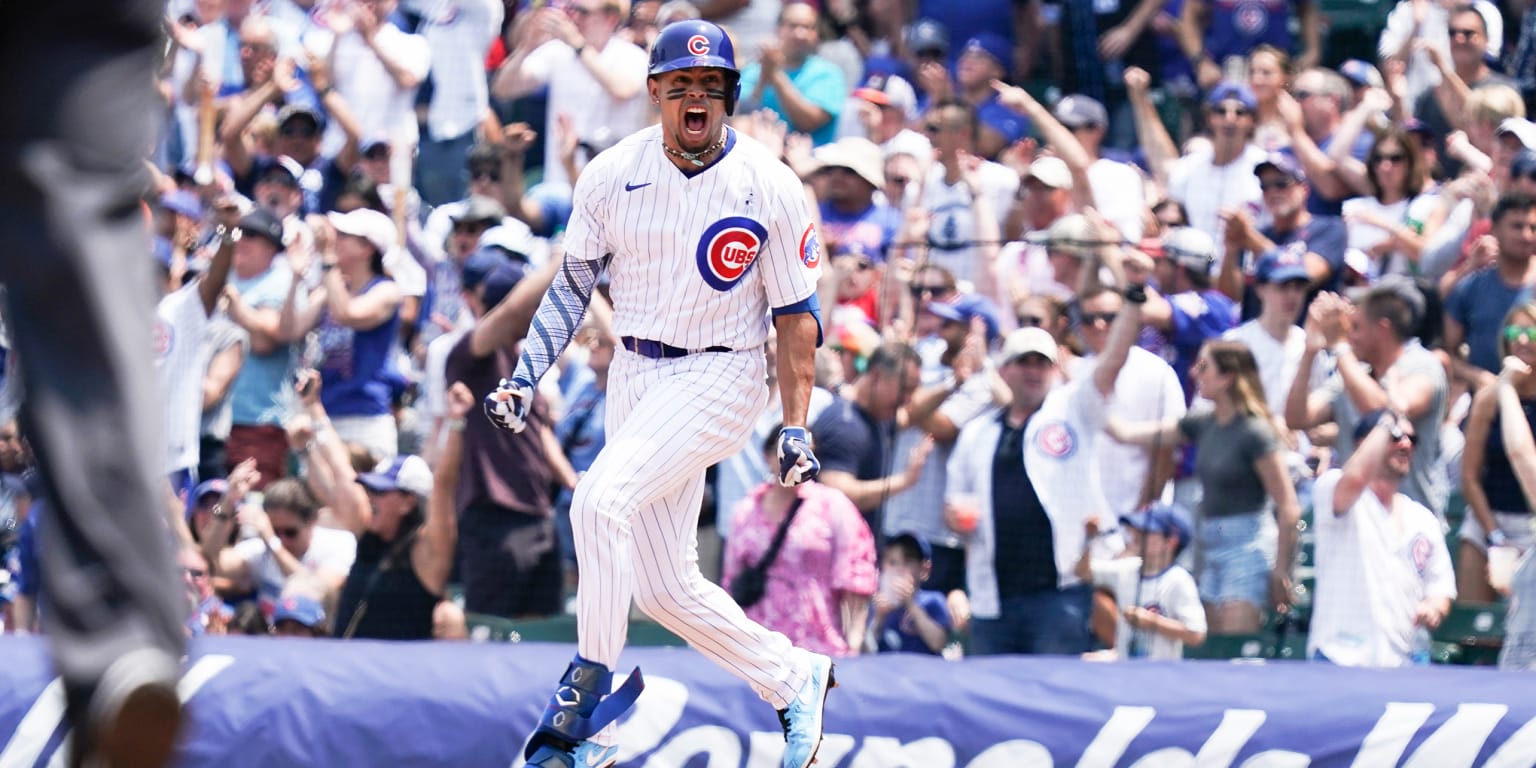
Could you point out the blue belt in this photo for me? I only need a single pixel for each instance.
(658, 351)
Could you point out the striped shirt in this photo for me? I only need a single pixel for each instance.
(694, 261)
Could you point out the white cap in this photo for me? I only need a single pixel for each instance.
(1026, 341)
(1521, 129)
(1050, 171)
(1493, 20)
(908, 142)
(515, 238)
(889, 91)
(1191, 248)
(368, 224)
(405, 472)
(859, 155)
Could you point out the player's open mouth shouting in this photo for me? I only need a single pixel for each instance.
(696, 125)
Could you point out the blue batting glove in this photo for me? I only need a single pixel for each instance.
(507, 406)
(797, 464)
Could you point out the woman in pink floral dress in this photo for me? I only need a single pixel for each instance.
(818, 588)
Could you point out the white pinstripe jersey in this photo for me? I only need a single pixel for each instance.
(696, 261)
(181, 361)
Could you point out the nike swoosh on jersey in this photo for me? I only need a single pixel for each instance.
(628, 187)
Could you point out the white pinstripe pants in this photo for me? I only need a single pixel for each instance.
(636, 511)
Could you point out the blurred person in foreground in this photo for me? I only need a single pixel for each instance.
(71, 172)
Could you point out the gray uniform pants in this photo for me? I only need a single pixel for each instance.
(76, 85)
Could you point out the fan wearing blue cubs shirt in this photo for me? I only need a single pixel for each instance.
(706, 239)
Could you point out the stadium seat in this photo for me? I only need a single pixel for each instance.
(484, 628)
(1477, 628)
(1243, 646)
(1455, 510)
(1447, 653)
(558, 629)
(1293, 647)
(1351, 28)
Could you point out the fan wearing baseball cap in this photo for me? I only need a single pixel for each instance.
(1160, 610)
(298, 615)
(301, 129)
(356, 309)
(1075, 130)
(1026, 529)
(1320, 238)
(907, 618)
(388, 509)
(1274, 337)
(887, 102)
(261, 287)
(986, 59)
(849, 173)
(1207, 183)
(1184, 310)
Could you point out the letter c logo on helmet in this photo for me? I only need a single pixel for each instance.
(697, 43)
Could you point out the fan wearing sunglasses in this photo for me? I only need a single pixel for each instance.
(1388, 224)
(1498, 513)
(1383, 571)
(288, 542)
(300, 132)
(1210, 182)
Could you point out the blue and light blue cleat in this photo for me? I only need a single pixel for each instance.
(586, 755)
(802, 719)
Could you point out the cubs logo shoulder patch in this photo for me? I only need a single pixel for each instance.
(810, 247)
(728, 249)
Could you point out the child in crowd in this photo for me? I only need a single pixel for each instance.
(908, 619)
(1162, 613)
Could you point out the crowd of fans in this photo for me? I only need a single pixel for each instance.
(1126, 304)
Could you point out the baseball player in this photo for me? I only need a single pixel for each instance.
(705, 235)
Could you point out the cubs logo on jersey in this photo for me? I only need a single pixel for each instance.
(163, 337)
(698, 45)
(1057, 440)
(727, 249)
(1420, 550)
(810, 247)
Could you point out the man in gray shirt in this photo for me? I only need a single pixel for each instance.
(1379, 365)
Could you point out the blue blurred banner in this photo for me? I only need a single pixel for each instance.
(269, 702)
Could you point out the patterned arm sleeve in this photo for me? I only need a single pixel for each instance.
(558, 316)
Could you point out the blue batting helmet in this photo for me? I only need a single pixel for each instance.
(697, 43)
